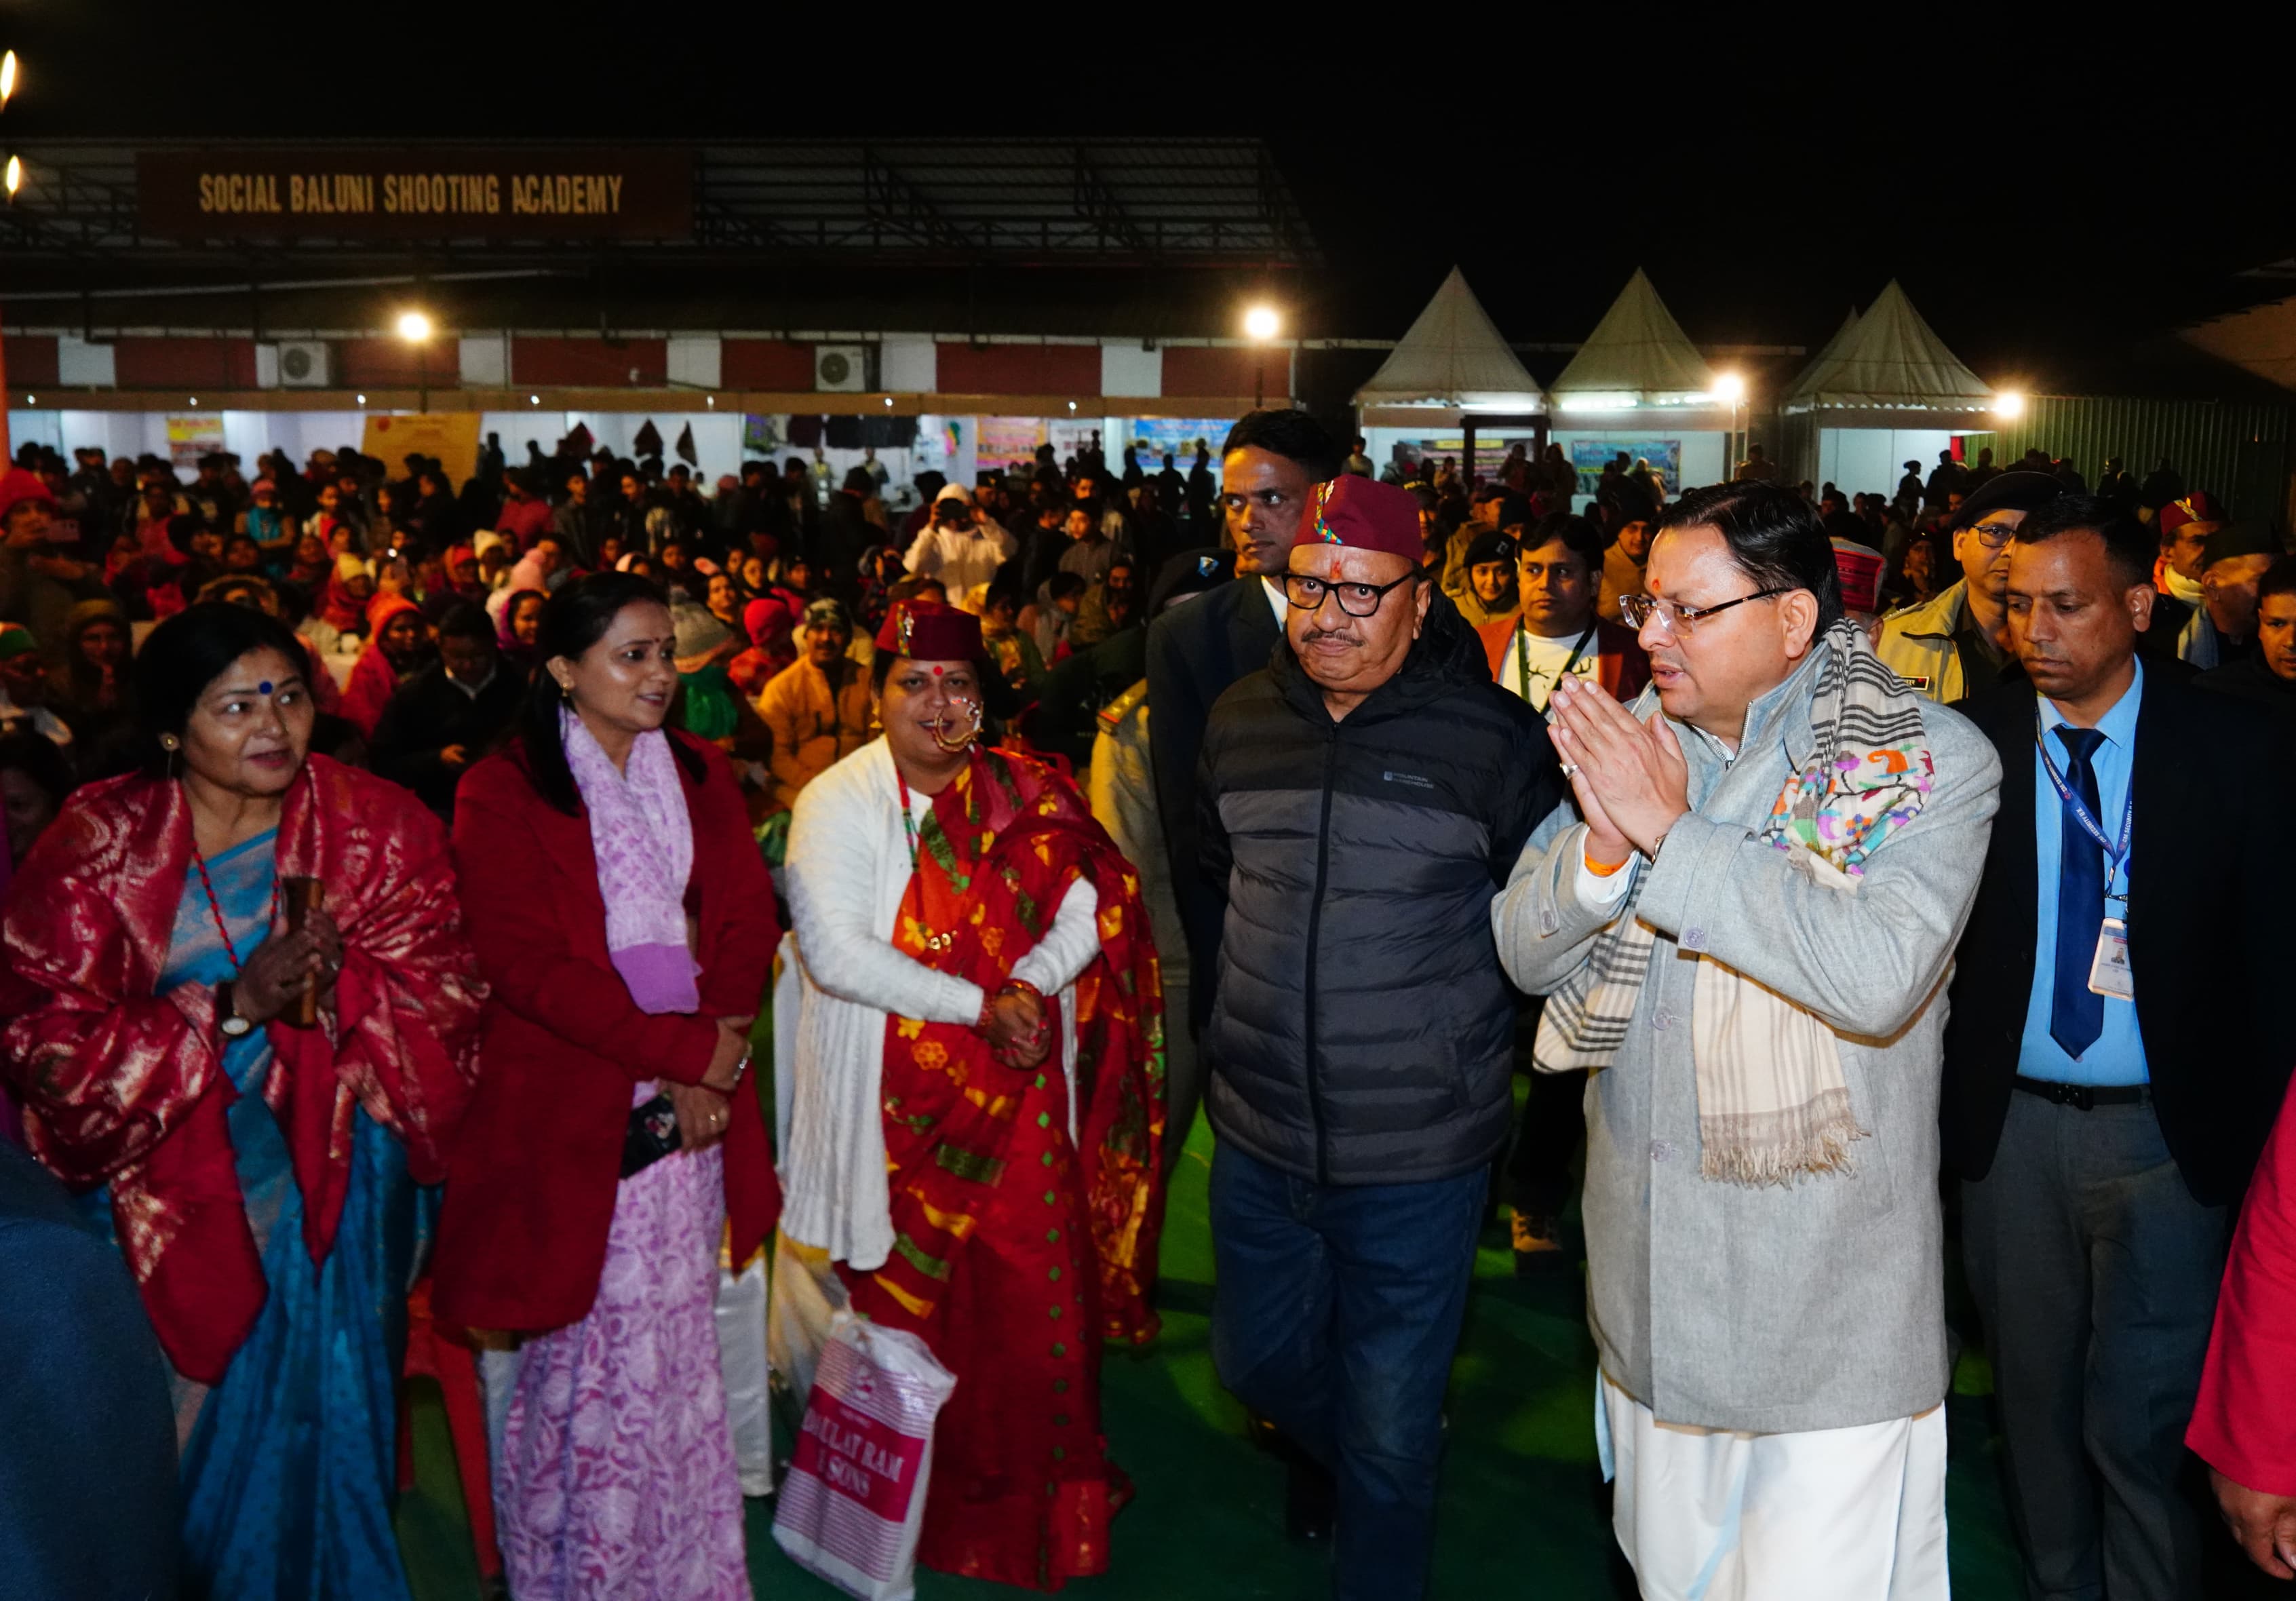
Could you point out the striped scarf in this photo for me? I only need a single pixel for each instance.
(1772, 1104)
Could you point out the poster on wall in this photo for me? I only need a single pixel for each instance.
(1490, 452)
(762, 434)
(451, 438)
(1176, 437)
(192, 435)
(1590, 457)
(1005, 440)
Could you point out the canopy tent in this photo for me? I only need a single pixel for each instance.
(1450, 361)
(1889, 361)
(1828, 352)
(1637, 355)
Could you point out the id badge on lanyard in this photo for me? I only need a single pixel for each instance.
(2109, 971)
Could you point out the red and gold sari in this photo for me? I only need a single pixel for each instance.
(1018, 1248)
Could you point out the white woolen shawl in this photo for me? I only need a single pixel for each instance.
(845, 872)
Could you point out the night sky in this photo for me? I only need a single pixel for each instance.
(2047, 206)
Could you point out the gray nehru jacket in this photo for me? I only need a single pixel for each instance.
(1776, 1309)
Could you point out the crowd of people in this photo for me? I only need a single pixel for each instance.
(401, 871)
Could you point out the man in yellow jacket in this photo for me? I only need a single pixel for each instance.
(1952, 646)
(817, 708)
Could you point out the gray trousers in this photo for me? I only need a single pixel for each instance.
(2096, 1272)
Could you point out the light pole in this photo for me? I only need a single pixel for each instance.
(1260, 324)
(414, 328)
(14, 181)
(1730, 387)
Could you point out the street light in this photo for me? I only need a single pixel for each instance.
(15, 176)
(1260, 324)
(7, 78)
(415, 327)
(2008, 403)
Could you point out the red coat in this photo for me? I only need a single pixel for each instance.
(531, 1190)
(1620, 666)
(2244, 1421)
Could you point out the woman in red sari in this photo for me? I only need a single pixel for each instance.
(257, 1171)
(978, 1106)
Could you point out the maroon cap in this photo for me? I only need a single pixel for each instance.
(928, 631)
(1860, 567)
(2199, 506)
(1363, 513)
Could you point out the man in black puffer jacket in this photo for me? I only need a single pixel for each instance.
(1361, 802)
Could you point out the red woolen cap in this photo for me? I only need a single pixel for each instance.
(929, 631)
(1365, 514)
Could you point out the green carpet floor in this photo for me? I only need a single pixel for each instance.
(1524, 1511)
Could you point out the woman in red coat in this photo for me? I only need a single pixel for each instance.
(622, 913)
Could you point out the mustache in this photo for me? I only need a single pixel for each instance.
(1311, 634)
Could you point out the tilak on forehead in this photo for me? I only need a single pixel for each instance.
(1362, 514)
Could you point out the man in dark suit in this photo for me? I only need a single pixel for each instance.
(88, 1499)
(2118, 1041)
(1271, 460)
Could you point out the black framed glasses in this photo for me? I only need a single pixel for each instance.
(1306, 593)
(1681, 621)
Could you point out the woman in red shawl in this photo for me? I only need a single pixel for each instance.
(398, 643)
(768, 621)
(977, 1108)
(258, 1173)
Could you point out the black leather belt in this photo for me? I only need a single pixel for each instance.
(2084, 1097)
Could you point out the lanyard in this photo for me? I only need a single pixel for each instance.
(2117, 856)
(1522, 654)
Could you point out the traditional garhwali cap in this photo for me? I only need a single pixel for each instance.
(1860, 570)
(1365, 514)
(2199, 506)
(929, 631)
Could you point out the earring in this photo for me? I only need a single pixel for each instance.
(566, 695)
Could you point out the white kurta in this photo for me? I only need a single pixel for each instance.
(1826, 1515)
(845, 872)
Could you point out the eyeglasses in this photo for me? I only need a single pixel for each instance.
(1356, 600)
(1993, 536)
(1680, 622)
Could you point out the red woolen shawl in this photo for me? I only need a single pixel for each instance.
(124, 1086)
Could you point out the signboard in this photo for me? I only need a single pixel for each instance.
(1492, 450)
(449, 437)
(192, 435)
(416, 191)
(1590, 457)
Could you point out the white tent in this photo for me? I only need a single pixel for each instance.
(1637, 355)
(1826, 352)
(1451, 360)
(1890, 361)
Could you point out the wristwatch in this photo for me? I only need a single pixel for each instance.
(232, 1024)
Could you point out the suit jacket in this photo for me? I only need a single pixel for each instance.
(85, 1415)
(2210, 889)
(1195, 651)
(532, 1189)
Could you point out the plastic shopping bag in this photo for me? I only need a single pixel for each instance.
(742, 1357)
(854, 1499)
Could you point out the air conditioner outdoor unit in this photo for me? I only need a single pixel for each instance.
(303, 364)
(840, 369)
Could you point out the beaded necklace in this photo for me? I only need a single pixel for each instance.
(230, 951)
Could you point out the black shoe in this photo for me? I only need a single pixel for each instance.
(1309, 1496)
(1538, 1243)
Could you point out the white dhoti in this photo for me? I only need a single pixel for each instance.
(1826, 1514)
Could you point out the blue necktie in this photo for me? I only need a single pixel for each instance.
(2077, 1014)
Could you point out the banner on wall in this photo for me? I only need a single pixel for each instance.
(762, 435)
(192, 435)
(1590, 457)
(1176, 437)
(450, 437)
(1490, 451)
(1004, 440)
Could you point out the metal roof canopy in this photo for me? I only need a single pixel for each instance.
(905, 202)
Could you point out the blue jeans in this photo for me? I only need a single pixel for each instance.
(1336, 1318)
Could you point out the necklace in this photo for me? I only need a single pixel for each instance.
(215, 907)
(933, 941)
(1522, 654)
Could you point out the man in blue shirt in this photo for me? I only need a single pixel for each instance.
(2119, 1040)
